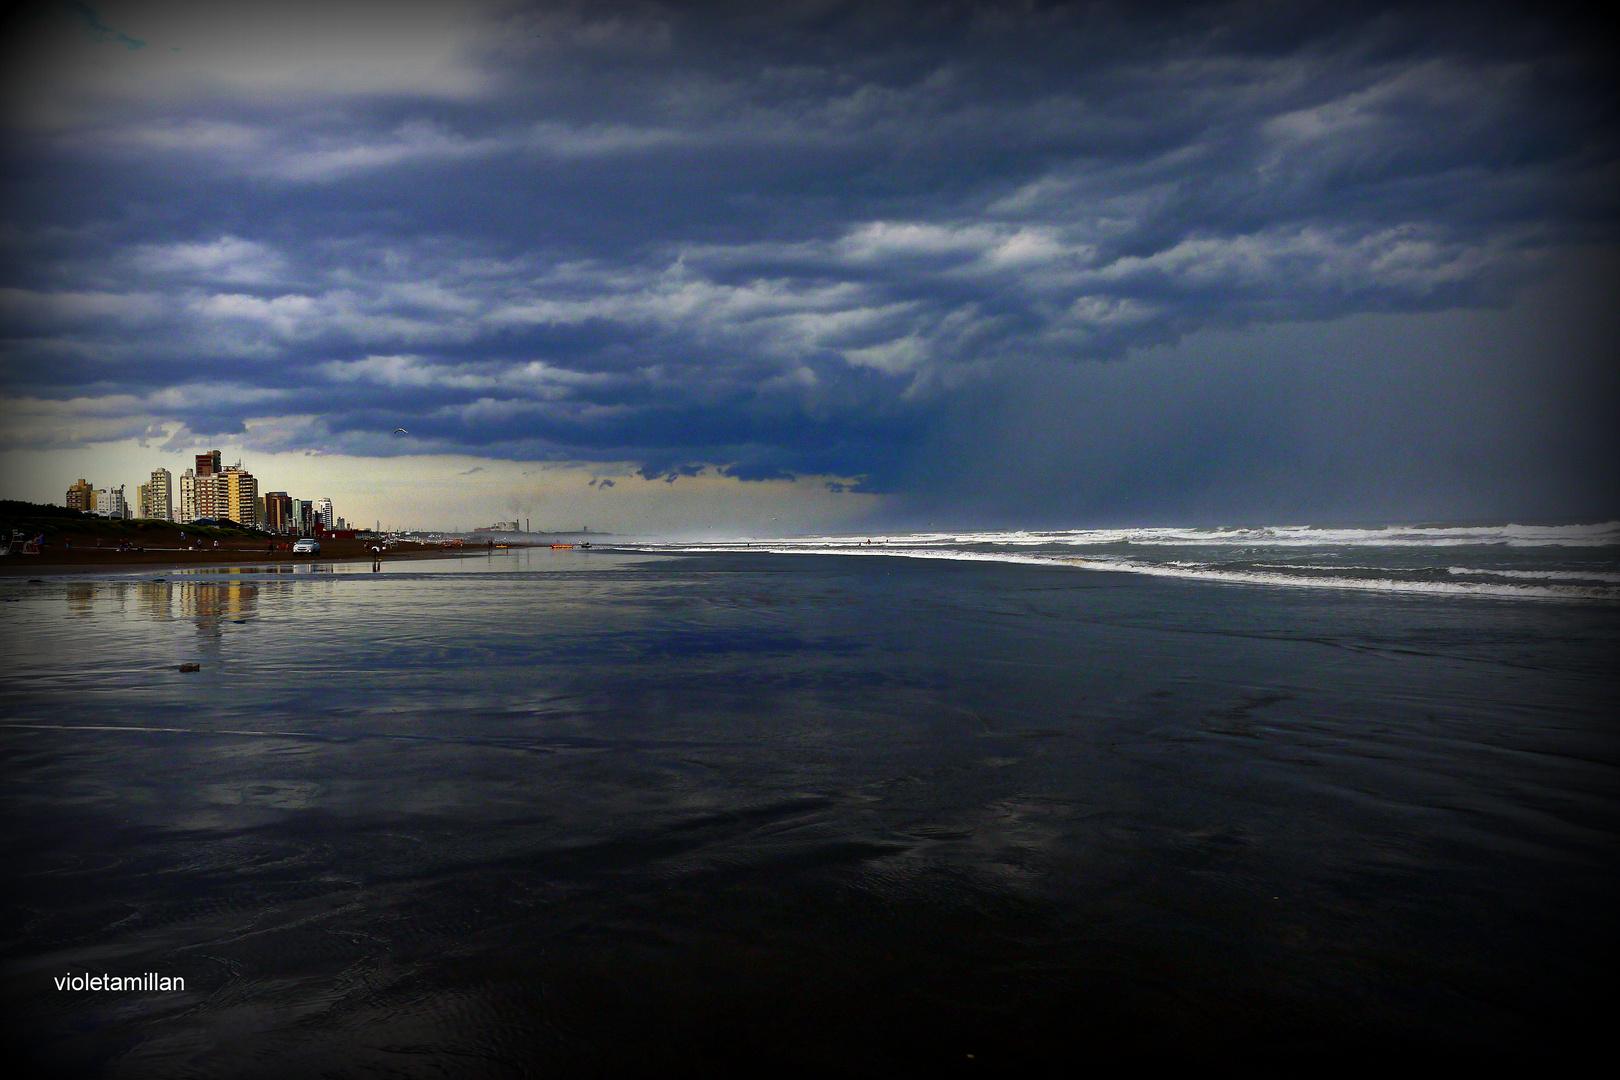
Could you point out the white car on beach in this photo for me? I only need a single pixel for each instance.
(306, 546)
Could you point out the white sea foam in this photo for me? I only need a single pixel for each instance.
(1512, 535)
(1319, 566)
(1471, 571)
(1387, 585)
(1549, 575)
(1389, 536)
(1182, 569)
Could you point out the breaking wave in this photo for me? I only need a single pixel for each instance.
(1529, 562)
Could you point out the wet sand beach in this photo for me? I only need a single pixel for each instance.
(602, 814)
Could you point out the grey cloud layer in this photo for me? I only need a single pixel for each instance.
(778, 244)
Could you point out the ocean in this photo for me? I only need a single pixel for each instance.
(1259, 801)
(1558, 562)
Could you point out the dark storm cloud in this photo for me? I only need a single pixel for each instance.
(772, 241)
(1308, 422)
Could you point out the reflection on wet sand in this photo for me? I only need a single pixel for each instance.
(204, 602)
(81, 599)
(208, 604)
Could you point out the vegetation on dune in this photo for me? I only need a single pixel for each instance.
(11, 508)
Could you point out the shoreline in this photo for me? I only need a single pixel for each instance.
(84, 560)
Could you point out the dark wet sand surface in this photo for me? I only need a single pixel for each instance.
(580, 814)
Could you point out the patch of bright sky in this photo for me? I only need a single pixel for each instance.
(177, 50)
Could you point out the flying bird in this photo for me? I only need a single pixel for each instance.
(400, 431)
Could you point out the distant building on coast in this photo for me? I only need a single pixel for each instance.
(200, 496)
(323, 512)
(188, 497)
(212, 491)
(81, 496)
(163, 494)
(217, 491)
(213, 496)
(110, 503)
(241, 495)
(155, 498)
(278, 512)
(199, 490)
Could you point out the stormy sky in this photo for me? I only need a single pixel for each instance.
(818, 264)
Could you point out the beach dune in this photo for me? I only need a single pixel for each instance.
(161, 547)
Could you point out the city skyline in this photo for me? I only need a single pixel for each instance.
(514, 490)
(208, 491)
(275, 511)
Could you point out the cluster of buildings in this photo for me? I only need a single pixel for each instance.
(212, 491)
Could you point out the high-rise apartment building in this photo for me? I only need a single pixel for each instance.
(154, 499)
(81, 496)
(204, 497)
(306, 516)
(208, 464)
(323, 512)
(278, 512)
(240, 495)
(110, 503)
(162, 496)
(210, 496)
(188, 497)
